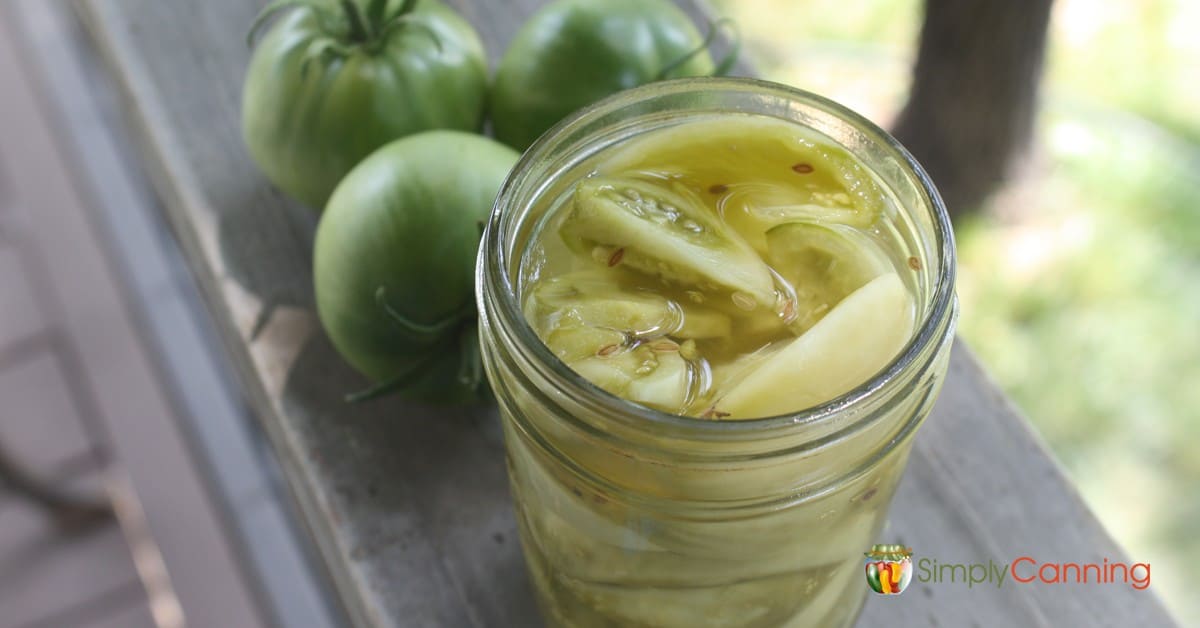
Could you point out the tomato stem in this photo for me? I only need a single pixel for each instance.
(368, 27)
(354, 19)
(407, 7)
(322, 50)
(375, 17)
(402, 21)
(418, 332)
(273, 8)
(725, 64)
(470, 370)
(397, 382)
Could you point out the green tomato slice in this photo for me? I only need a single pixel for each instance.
(597, 299)
(661, 229)
(658, 378)
(856, 340)
(822, 264)
(636, 345)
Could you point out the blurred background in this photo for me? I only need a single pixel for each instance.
(1080, 278)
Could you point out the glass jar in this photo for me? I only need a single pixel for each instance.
(633, 517)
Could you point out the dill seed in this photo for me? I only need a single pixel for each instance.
(664, 346)
(744, 301)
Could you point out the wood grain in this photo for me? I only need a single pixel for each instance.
(409, 504)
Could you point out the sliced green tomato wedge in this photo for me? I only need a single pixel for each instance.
(659, 379)
(733, 371)
(823, 264)
(837, 190)
(597, 299)
(662, 229)
(575, 342)
(856, 340)
(617, 338)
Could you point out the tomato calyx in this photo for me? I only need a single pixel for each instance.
(349, 25)
(725, 64)
(470, 369)
(419, 332)
(399, 381)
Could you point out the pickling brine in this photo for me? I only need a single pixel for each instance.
(730, 267)
(714, 313)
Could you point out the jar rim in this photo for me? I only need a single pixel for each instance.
(494, 261)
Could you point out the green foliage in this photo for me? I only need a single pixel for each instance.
(1080, 284)
(1083, 302)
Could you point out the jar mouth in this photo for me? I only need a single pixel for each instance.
(494, 263)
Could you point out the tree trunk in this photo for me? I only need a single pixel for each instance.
(974, 90)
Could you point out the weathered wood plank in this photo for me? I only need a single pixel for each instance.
(980, 487)
(38, 423)
(44, 573)
(19, 315)
(409, 504)
(105, 363)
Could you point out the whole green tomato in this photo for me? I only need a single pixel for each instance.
(335, 79)
(394, 262)
(572, 53)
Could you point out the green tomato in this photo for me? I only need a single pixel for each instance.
(572, 53)
(394, 262)
(332, 81)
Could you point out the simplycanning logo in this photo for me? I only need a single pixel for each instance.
(890, 569)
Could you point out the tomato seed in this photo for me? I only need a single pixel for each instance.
(719, 188)
(914, 263)
(803, 168)
(615, 258)
(664, 346)
(607, 350)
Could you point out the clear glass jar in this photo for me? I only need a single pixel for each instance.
(634, 517)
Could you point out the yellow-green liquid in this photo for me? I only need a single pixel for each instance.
(681, 262)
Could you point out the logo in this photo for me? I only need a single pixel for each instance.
(889, 568)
